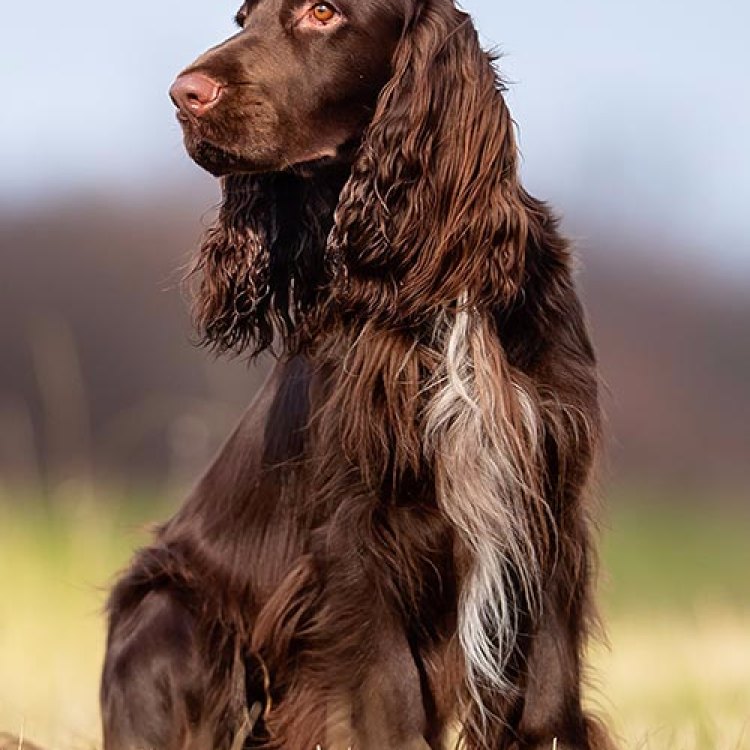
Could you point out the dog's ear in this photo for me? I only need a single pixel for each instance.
(259, 268)
(433, 212)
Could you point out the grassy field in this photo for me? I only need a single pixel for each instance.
(676, 599)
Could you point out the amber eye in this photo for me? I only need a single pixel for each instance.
(323, 12)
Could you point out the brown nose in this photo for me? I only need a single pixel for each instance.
(195, 93)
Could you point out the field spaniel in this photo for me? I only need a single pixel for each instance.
(392, 551)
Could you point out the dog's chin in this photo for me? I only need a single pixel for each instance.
(220, 162)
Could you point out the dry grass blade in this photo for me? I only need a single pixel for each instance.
(13, 742)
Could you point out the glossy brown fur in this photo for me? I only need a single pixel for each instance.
(424, 442)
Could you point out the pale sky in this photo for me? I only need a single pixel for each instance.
(637, 111)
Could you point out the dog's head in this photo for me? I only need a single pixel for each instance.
(297, 84)
(368, 160)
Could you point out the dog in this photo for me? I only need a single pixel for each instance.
(393, 550)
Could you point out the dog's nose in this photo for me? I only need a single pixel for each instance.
(195, 93)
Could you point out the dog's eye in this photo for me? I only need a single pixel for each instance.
(323, 12)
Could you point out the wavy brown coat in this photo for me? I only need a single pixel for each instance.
(393, 548)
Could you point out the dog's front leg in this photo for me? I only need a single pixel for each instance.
(389, 710)
(154, 679)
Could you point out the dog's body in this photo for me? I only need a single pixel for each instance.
(394, 542)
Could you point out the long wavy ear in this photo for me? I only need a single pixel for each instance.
(259, 270)
(433, 212)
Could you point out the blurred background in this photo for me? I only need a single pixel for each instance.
(634, 119)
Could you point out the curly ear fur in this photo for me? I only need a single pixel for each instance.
(259, 266)
(433, 211)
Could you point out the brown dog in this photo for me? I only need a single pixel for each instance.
(395, 540)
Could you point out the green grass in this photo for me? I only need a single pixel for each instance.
(669, 558)
(55, 564)
(676, 601)
(675, 595)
